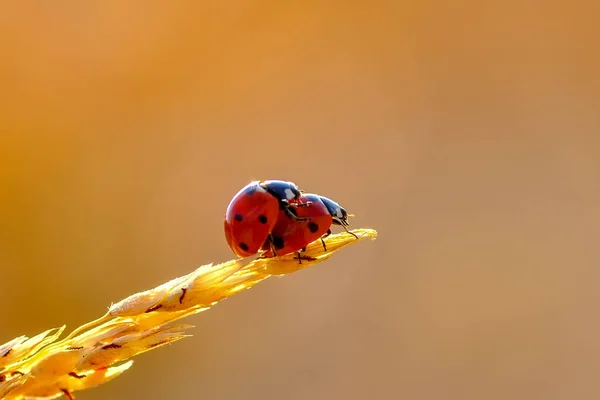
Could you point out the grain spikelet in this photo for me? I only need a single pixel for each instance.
(95, 353)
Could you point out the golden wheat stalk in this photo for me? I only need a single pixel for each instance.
(95, 353)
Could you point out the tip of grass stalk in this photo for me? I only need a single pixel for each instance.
(98, 351)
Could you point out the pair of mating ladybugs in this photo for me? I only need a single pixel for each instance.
(277, 218)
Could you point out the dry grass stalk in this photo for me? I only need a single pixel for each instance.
(95, 353)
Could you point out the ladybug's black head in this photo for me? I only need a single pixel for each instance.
(284, 191)
(338, 213)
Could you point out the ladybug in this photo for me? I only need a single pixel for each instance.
(316, 215)
(253, 212)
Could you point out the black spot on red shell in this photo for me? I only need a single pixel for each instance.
(238, 217)
(244, 246)
(262, 219)
(313, 227)
(278, 242)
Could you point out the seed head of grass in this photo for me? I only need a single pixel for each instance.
(45, 367)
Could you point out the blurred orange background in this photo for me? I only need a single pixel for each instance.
(467, 133)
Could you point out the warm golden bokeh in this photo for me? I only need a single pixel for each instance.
(467, 133)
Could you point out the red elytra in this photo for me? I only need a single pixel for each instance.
(289, 235)
(253, 212)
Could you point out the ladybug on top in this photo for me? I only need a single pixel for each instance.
(276, 218)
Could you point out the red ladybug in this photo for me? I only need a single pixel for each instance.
(317, 214)
(253, 212)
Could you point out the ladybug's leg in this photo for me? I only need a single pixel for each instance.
(272, 244)
(344, 224)
(289, 209)
(300, 255)
(346, 229)
(323, 237)
(293, 215)
(308, 203)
